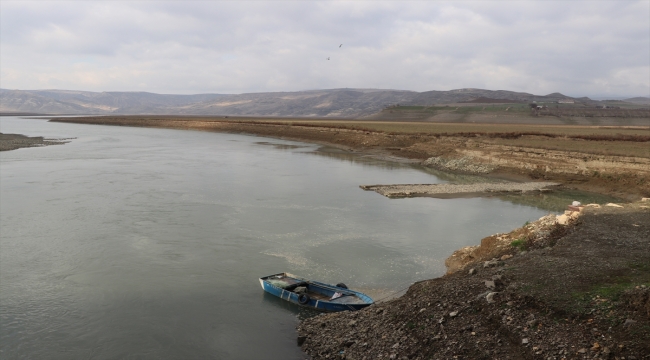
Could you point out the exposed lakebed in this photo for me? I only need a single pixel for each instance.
(149, 242)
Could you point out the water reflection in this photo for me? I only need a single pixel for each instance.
(557, 200)
(382, 161)
(300, 311)
(554, 201)
(280, 146)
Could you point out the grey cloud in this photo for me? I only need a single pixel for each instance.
(581, 48)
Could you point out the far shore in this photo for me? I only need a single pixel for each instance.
(17, 141)
(612, 161)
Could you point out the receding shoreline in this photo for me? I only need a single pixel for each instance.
(575, 290)
(620, 176)
(16, 141)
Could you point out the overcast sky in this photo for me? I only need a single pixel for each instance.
(592, 48)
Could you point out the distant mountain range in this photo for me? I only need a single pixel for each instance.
(345, 103)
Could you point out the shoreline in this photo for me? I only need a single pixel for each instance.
(573, 288)
(553, 293)
(624, 177)
(10, 142)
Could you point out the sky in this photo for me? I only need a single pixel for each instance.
(590, 48)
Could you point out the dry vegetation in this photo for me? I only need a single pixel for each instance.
(604, 140)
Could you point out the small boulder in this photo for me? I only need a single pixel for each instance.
(629, 322)
(491, 263)
(613, 205)
(301, 340)
(562, 219)
(490, 297)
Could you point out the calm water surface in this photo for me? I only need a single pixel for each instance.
(147, 243)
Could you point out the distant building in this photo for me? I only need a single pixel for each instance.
(566, 101)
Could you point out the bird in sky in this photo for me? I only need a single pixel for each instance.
(328, 58)
(340, 45)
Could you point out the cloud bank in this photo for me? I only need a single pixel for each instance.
(592, 48)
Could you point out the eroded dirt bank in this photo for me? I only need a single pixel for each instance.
(575, 291)
(622, 176)
(17, 141)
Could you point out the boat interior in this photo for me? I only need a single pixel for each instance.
(315, 291)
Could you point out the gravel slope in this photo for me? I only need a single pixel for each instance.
(586, 297)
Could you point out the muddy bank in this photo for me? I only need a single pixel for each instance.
(17, 141)
(621, 176)
(574, 291)
(445, 190)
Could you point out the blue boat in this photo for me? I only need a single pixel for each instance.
(314, 294)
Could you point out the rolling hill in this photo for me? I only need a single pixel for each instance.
(343, 103)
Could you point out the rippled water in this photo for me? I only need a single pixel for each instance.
(147, 243)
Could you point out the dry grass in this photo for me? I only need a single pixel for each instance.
(452, 128)
(620, 141)
(618, 148)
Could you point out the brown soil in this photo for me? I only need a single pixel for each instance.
(580, 291)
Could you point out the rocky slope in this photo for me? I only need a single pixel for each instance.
(574, 291)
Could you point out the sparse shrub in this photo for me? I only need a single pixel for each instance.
(519, 243)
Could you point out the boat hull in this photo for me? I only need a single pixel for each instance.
(317, 288)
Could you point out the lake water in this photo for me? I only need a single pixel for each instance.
(147, 243)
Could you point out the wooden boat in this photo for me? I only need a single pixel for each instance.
(314, 294)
